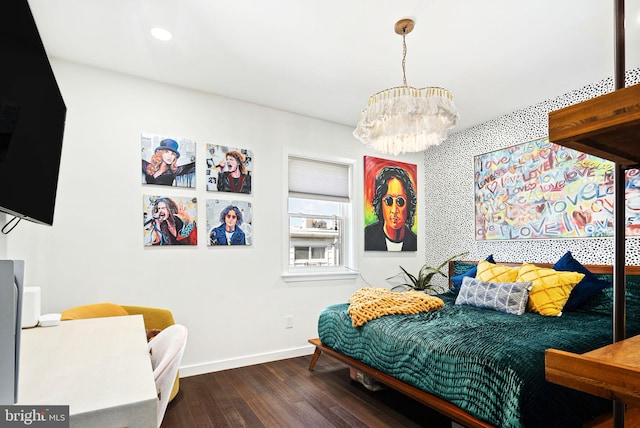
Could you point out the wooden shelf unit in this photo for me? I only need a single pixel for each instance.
(607, 126)
(611, 372)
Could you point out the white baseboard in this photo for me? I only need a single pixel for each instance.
(248, 360)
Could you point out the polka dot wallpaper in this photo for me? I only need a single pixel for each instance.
(449, 192)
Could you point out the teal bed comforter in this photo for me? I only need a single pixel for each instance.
(490, 364)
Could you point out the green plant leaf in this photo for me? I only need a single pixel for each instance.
(426, 274)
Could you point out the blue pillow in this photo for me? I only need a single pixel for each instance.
(586, 289)
(457, 279)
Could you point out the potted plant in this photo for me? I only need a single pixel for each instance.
(422, 282)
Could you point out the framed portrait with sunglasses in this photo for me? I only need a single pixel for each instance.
(390, 205)
(229, 222)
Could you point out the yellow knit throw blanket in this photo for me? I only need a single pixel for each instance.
(369, 303)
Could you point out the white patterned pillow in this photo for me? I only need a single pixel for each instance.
(509, 297)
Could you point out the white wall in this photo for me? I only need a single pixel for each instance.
(232, 300)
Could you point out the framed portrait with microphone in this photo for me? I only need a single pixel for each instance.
(390, 205)
(169, 220)
(228, 169)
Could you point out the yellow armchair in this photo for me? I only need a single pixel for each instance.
(154, 318)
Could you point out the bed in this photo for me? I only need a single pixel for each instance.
(478, 366)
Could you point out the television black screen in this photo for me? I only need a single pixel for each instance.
(32, 118)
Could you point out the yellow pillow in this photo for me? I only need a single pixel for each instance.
(550, 289)
(491, 272)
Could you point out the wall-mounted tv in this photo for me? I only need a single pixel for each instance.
(32, 117)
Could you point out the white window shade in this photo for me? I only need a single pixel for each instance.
(309, 178)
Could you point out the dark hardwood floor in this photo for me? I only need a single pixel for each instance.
(285, 394)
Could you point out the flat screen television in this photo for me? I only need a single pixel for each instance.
(32, 118)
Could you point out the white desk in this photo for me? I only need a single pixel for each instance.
(100, 367)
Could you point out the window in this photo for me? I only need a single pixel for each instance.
(319, 218)
(315, 232)
(309, 256)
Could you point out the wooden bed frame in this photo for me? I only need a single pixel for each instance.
(438, 404)
(429, 400)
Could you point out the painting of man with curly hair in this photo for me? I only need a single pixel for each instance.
(229, 169)
(229, 222)
(170, 220)
(391, 203)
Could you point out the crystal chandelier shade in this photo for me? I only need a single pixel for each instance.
(405, 119)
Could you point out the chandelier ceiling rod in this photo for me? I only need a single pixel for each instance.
(404, 27)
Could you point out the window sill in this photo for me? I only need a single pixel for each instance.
(318, 276)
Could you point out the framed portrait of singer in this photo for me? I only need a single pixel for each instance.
(390, 205)
(229, 222)
(229, 169)
(169, 220)
(168, 161)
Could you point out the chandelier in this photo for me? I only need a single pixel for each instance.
(405, 119)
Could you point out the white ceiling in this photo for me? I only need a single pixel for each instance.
(324, 58)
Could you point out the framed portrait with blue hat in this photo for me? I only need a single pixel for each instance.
(168, 160)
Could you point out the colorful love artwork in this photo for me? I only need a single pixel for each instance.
(542, 190)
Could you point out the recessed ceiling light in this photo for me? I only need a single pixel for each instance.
(161, 34)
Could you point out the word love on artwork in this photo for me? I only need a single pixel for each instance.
(548, 230)
(541, 190)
